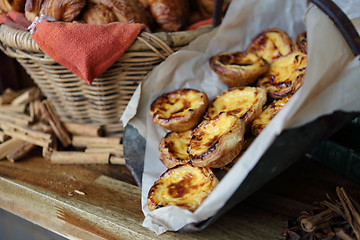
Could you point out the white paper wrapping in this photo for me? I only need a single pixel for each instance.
(331, 83)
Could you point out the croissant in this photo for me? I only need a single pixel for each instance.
(128, 11)
(98, 14)
(15, 5)
(172, 15)
(61, 10)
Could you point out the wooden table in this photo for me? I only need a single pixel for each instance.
(103, 201)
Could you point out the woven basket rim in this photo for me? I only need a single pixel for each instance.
(20, 39)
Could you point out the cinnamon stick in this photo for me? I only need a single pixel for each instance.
(352, 216)
(20, 152)
(84, 129)
(26, 134)
(113, 149)
(8, 96)
(117, 160)
(3, 136)
(84, 141)
(49, 114)
(310, 224)
(73, 157)
(10, 146)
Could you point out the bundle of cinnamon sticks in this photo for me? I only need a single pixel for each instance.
(330, 219)
(29, 121)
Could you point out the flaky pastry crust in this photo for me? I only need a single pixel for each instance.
(271, 44)
(185, 186)
(301, 41)
(216, 142)
(267, 115)
(244, 102)
(285, 75)
(237, 69)
(179, 110)
(173, 148)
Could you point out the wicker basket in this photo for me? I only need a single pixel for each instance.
(104, 101)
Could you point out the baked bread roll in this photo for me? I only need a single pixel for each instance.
(301, 41)
(238, 68)
(170, 15)
(267, 115)
(98, 14)
(271, 44)
(244, 102)
(185, 186)
(285, 75)
(128, 11)
(15, 5)
(216, 142)
(67, 10)
(179, 110)
(173, 148)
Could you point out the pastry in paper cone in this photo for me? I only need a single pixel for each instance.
(268, 114)
(238, 68)
(179, 110)
(185, 186)
(244, 102)
(271, 44)
(285, 75)
(173, 148)
(301, 41)
(216, 142)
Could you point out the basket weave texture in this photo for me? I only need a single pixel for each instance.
(102, 102)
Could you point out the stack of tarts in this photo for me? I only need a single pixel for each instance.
(206, 135)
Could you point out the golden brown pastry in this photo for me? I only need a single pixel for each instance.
(244, 102)
(271, 44)
(173, 148)
(185, 186)
(238, 68)
(179, 110)
(301, 41)
(98, 14)
(61, 10)
(32, 9)
(216, 142)
(172, 15)
(128, 11)
(267, 115)
(15, 5)
(285, 75)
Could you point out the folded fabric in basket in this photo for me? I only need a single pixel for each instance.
(15, 19)
(86, 50)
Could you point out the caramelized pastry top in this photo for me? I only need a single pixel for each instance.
(238, 68)
(301, 41)
(244, 102)
(184, 186)
(285, 75)
(271, 44)
(217, 141)
(173, 148)
(179, 110)
(267, 115)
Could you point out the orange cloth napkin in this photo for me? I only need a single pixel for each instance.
(86, 50)
(15, 19)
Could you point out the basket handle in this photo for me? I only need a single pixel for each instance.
(342, 22)
(217, 12)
